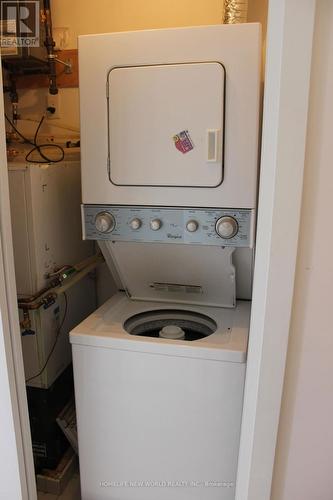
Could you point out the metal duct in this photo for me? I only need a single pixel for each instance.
(235, 11)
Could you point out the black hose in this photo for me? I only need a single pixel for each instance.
(39, 147)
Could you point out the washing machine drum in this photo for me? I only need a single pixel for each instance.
(171, 324)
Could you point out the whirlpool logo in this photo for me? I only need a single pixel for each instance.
(174, 236)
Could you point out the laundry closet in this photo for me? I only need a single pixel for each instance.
(133, 208)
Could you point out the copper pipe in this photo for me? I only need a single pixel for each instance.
(54, 291)
(33, 306)
(33, 298)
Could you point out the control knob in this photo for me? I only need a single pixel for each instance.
(135, 223)
(155, 224)
(105, 222)
(226, 227)
(192, 226)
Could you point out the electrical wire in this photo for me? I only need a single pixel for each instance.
(54, 343)
(38, 147)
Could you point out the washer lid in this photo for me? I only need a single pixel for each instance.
(185, 274)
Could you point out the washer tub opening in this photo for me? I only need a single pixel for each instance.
(195, 326)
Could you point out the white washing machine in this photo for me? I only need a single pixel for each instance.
(159, 418)
(169, 122)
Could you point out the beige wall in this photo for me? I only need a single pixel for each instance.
(102, 16)
(257, 12)
(304, 459)
(85, 16)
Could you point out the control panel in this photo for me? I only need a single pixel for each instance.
(222, 227)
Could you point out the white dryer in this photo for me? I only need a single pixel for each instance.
(170, 117)
(169, 122)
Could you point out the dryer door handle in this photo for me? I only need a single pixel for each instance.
(212, 145)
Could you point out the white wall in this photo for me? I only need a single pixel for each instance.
(16, 462)
(10, 485)
(304, 458)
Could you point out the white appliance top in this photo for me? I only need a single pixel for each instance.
(105, 329)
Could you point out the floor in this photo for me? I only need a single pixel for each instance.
(72, 492)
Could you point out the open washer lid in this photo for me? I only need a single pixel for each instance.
(186, 274)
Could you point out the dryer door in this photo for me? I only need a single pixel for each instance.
(166, 125)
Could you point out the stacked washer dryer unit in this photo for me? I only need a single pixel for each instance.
(169, 166)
